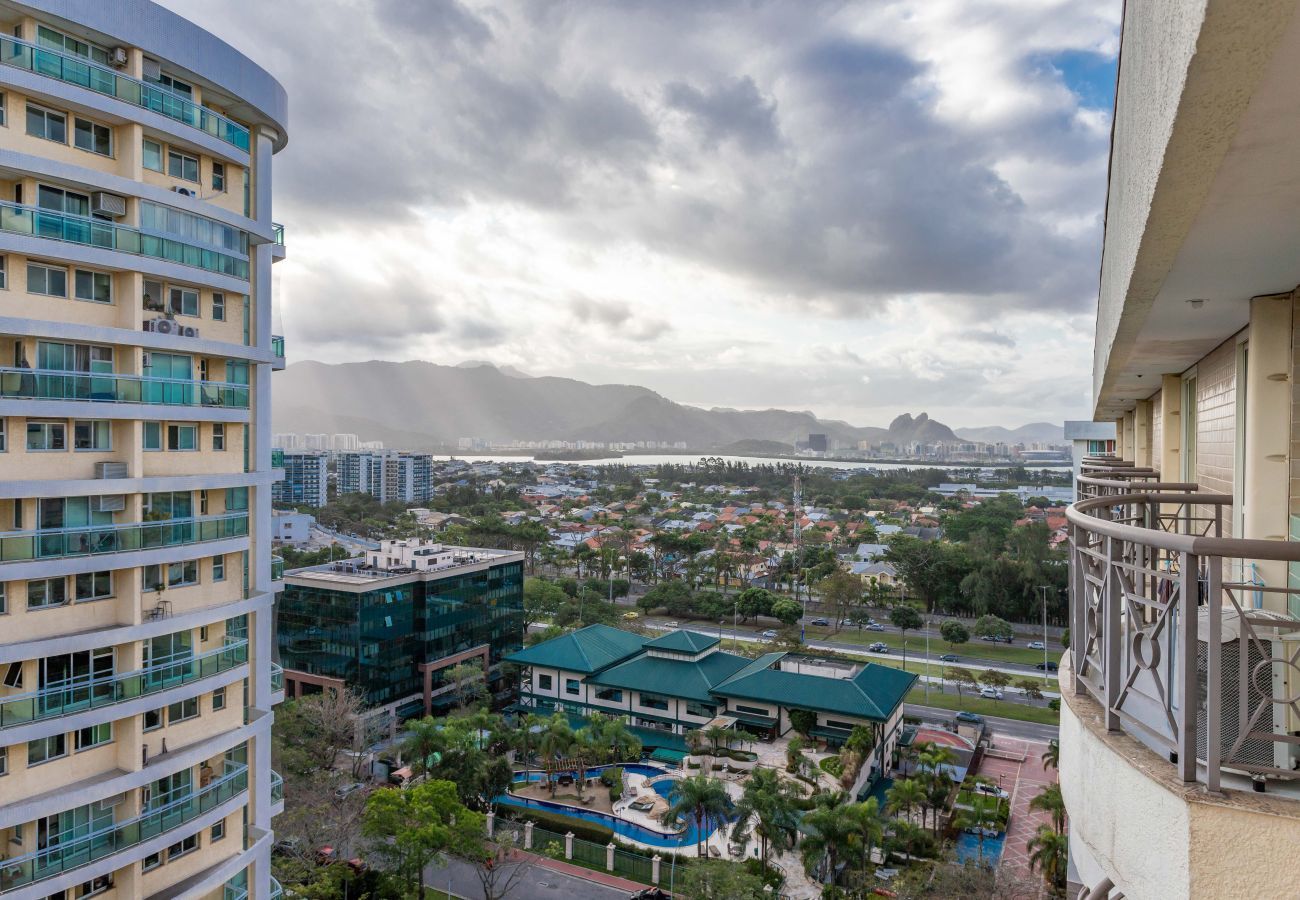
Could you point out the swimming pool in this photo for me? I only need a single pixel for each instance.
(594, 771)
(968, 848)
(630, 830)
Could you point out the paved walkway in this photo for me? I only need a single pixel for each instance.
(1023, 780)
(541, 877)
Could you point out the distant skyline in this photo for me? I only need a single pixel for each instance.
(859, 209)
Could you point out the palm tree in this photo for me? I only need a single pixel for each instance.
(904, 795)
(424, 738)
(907, 833)
(703, 799)
(523, 739)
(1052, 758)
(767, 799)
(868, 828)
(982, 815)
(931, 759)
(716, 735)
(554, 743)
(1049, 800)
(831, 835)
(1048, 851)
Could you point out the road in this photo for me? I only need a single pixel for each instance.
(324, 537)
(536, 882)
(1013, 728)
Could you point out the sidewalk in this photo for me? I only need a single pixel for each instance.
(576, 871)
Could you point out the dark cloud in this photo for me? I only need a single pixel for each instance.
(730, 111)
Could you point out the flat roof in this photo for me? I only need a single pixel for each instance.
(354, 572)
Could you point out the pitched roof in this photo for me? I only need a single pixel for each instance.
(682, 641)
(585, 650)
(874, 693)
(691, 679)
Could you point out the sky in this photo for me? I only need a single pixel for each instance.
(855, 208)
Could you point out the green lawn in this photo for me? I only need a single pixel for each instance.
(1004, 709)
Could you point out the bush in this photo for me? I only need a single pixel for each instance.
(832, 765)
(773, 877)
(612, 778)
(741, 755)
(803, 720)
(562, 824)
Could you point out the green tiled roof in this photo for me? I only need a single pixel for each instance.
(585, 650)
(683, 642)
(874, 693)
(689, 679)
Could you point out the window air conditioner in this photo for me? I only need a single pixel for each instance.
(108, 503)
(110, 470)
(1264, 666)
(109, 802)
(183, 191)
(189, 331)
(118, 57)
(104, 203)
(162, 326)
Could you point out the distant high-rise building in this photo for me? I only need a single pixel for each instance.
(316, 441)
(286, 441)
(387, 475)
(136, 579)
(817, 443)
(345, 442)
(305, 479)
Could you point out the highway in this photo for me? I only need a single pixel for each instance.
(1012, 728)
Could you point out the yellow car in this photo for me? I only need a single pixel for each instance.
(631, 615)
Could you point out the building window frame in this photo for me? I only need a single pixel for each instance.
(53, 124)
(182, 165)
(92, 136)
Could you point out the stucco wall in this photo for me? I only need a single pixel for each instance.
(1216, 418)
(1157, 427)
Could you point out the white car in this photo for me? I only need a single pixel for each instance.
(1035, 645)
(672, 624)
(768, 634)
(991, 790)
(990, 693)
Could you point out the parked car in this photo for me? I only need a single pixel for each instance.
(875, 626)
(879, 647)
(991, 790)
(631, 615)
(819, 622)
(997, 639)
(768, 634)
(1046, 667)
(969, 718)
(652, 893)
(673, 624)
(1035, 645)
(347, 790)
(948, 657)
(989, 693)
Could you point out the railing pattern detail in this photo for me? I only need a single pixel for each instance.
(45, 384)
(95, 540)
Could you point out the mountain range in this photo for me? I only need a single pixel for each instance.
(421, 405)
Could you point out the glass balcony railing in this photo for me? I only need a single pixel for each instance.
(20, 871)
(277, 345)
(93, 540)
(277, 568)
(276, 891)
(102, 80)
(277, 678)
(59, 226)
(94, 693)
(277, 787)
(43, 384)
(277, 459)
(277, 232)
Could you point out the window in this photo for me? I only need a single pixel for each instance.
(94, 736)
(3, 282)
(218, 831)
(47, 280)
(94, 287)
(614, 695)
(151, 862)
(653, 701)
(42, 436)
(153, 155)
(183, 302)
(183, 710)
(218, 435)
(92, 434)
(218, 298)
(218, 176)
(218, 699)
(4, 601)
(203, 633)
(169, 220)
(47, 124)
(14, 675)
(93, 586)
(48, 37)
(218, 569)
(236, 499)
(752, 710)
(92, 136)
(4, 434)
(94, 887)
(153, 720)
(2, 107)
(182, 165)
(153, 435)
(177, 574)
(4, 760)
(182, 437)
(175, 85)
(572, 686)
(43, 750)
(189, 845)
(702, 710)
(545, 682)
(60, 200)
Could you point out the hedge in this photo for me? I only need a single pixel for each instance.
(553, 821)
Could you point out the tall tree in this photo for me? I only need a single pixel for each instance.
(410, 828)
(1048, 853)
(702, 799)
(905, 618)
(766, 800)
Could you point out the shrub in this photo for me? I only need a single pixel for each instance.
(612, 778)
(832, 765)
(562, 824)
(803, 720)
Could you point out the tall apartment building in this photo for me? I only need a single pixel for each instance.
(1180, 726)
(306, 478)
(136, 588)
(387, 475)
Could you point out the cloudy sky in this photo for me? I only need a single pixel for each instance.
(858, 208)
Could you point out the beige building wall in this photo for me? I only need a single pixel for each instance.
(1216, 418)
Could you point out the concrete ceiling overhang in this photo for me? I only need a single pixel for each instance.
(1223, 224)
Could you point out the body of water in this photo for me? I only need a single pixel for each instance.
(594, 771)
(683, 459)
(968, 848)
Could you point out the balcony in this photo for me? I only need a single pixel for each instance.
(1178, 636)
(95, 540)
(95, 693)
(277, 678)
(41, 384)
(79, 71)
(277, 233)
(20, 871)
(277, 568)
(276, 891)
(277, 345)
(58, 226)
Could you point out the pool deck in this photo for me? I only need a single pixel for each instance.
(1023, 779)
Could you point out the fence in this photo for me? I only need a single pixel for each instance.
(627, 864)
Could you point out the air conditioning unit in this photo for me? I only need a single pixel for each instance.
(1260, 667)
(110, 470)
(108, 503)
(146, 359)
(108, 803)
(183, 191)
(118, 57)
(152, 69)
(162, 326)
(107, 204)
(189, 331)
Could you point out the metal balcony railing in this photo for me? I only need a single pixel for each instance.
(95, 693)
(30, 868)
(277, 568)
(276, 891)
(277, 787)
(44, 384)
(76, 70)
(277, 232)
(1170, 633)
(95, 540)
(60, 226)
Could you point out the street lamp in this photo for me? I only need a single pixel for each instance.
(927, 659)
(1044, 588)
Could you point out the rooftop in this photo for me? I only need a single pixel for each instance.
(356, 571)
(683, 641)
(588, 649)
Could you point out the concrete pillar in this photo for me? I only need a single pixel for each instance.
(1268, 434)
(609, 857)
(1121, 450)
(528, 835)
(1142, 417)
(654, 869)
(1171, 428)
(568, 845)
(1130, 444)
(491, 825)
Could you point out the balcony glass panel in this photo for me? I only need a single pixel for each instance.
(277, 345)
(277, 568)
(277, 787)
(93, 540)
(60, 226)
(76, 70)
(40, 384)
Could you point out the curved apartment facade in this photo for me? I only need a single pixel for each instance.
(136, 578)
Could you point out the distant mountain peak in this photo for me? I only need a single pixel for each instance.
(509, 371)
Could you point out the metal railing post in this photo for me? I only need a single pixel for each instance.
(1111, 595)
(1213, 676)
(1184, 687)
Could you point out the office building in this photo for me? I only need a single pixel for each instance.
(1180, 761)
(136, 588)
(306, 479)
(391, 623)
(387, 475)
(1089, 439)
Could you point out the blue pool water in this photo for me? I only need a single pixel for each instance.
(968, 847)
(665, 788)
(629, 830)
(594, 771)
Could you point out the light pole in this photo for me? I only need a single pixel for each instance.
(735, 626)
(927, 659)
(1044, 588)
